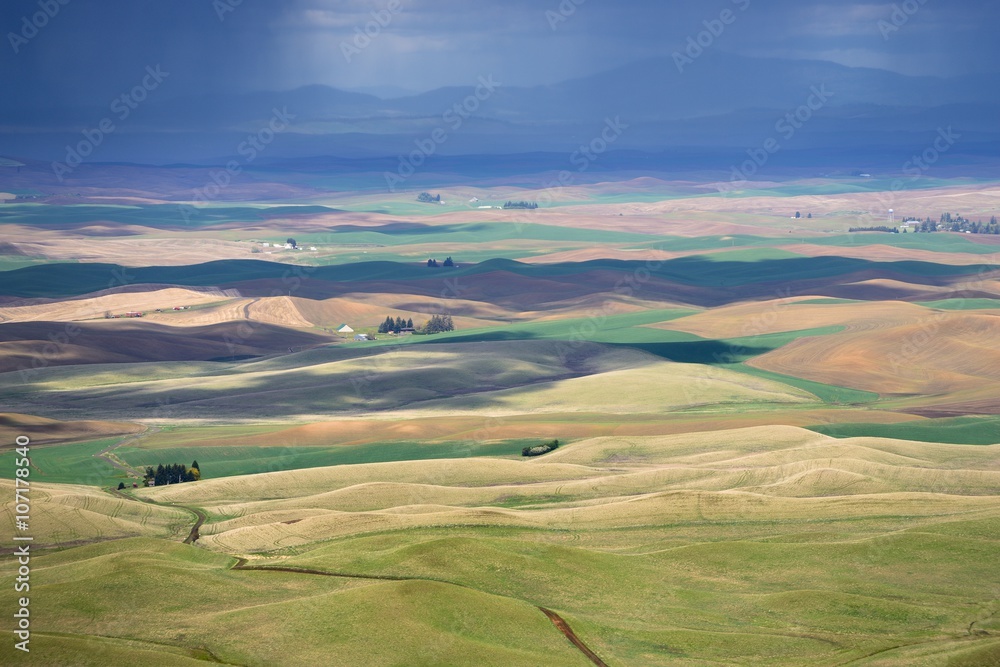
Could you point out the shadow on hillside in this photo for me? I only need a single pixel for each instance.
(698, 280)
(710, 352)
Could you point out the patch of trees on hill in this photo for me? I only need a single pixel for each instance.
(529, 205)
(428, 198)
(540, 449)
(173, 473)
(439, 324)
(881, 228)
(394, 325)
(433, 263)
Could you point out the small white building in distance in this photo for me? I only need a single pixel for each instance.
(344, 329)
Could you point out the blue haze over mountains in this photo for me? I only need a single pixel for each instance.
(706, 117)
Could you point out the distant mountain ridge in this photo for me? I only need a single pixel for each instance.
(719, 100)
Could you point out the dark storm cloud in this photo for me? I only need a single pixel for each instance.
(92, 50)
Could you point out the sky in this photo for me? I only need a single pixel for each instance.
(89, 51)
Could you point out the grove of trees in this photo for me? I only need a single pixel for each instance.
(394, 325)
(173, 473)
(540, 449)
(439, 324)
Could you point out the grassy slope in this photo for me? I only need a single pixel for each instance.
(253, 618)
(960, 431)
(64, 514)
(67, 464)
(677, 550)
(963, 304)
(675, 578)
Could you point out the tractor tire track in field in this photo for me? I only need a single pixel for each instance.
(199, 515)
(558, 621)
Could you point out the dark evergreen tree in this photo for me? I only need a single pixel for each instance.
(449, 262)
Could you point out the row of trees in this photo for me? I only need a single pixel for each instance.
(173, 473)
(958, 223)
(394, 325)
(529, 205)
(433, 263)
(880, 228)
(428, 198)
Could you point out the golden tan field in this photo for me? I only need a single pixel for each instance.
(603, 482)
(945, 353)
(95, 307)
(63, 514)
(758, 318)
(49, 431)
